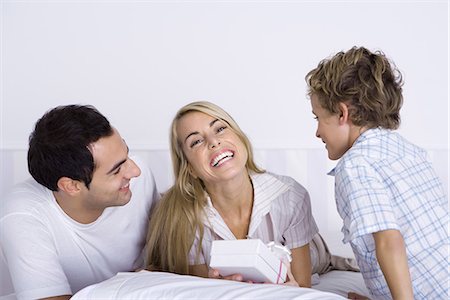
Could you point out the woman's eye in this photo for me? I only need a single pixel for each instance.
(196, 142)
(316, 118)
(221, 128)
(117, 172)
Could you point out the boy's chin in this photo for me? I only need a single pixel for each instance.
(333, 156)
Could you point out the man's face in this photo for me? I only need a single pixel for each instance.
(110, 185)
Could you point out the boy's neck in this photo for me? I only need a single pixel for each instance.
(355, 133)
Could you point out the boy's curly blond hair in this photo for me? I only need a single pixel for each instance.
(367, 82)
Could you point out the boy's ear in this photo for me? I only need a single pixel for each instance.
(69, 186)
(343, 113)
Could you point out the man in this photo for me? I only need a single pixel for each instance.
(80, 219)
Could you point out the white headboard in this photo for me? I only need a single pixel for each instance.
(307, 166)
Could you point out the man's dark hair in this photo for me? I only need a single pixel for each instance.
(59, 144)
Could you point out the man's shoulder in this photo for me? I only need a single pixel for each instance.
(25, 197)
(144, 186)
(146, 172)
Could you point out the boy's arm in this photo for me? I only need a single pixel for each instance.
(391, 256)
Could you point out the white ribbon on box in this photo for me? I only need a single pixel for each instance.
(283, 253)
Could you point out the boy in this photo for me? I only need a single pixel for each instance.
(390, 199)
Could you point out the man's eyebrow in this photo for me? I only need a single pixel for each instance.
(117, 165)
(196, 132)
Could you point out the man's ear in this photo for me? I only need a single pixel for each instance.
(69, 186)
(343, 113)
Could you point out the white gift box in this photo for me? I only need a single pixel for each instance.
(251, 258)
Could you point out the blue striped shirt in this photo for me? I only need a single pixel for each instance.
(385, 182)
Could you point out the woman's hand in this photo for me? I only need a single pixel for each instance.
(290, 280)
(213, 273)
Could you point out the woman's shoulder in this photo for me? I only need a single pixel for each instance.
(291, 183)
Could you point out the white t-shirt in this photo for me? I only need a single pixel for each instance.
(50, 254)
(281, 213)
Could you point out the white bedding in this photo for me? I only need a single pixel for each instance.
(165, 286)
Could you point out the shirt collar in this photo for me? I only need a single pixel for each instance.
(266, 189)
(369, 133)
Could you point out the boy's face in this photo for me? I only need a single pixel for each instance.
(332, 129)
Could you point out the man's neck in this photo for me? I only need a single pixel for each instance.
(73, 208)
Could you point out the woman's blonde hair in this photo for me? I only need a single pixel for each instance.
(180, 213)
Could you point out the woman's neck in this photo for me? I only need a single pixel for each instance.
(234, 202)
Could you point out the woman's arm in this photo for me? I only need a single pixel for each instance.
(391, 256)
(199, 270)
(301, 265)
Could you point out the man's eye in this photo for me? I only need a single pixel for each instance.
(316, 118)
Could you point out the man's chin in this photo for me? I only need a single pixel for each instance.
(125, 199)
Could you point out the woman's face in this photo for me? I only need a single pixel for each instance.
(214, 151)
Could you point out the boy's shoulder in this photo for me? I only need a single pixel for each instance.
(379, 149)
(382, 144)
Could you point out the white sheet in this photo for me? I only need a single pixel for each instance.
(165, 286)
(342, 282)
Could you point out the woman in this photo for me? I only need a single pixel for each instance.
(220, 193)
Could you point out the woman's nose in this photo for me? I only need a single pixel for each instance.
(213, 143)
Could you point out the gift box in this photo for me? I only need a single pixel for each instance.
(251, 258)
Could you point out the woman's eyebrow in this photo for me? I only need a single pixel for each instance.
(196, 132)
(190, 134)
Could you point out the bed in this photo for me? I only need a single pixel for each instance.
(145, 285)
(157, 285)
(167, 286)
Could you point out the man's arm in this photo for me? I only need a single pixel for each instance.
(35, 273)
(391, 256)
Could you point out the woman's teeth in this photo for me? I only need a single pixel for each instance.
(221, 158)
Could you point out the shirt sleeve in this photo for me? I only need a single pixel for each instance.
(363, 201)
(32, 258)
(301, 226)
(193, 259)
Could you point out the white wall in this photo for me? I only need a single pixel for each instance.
(139, 61)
